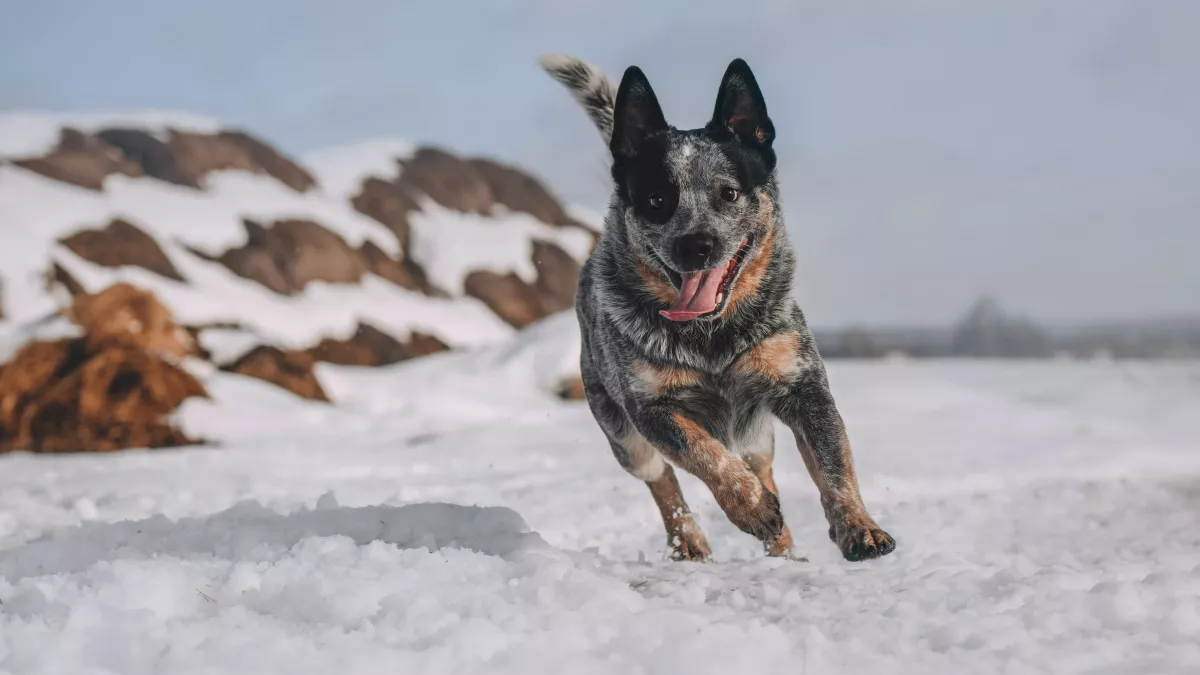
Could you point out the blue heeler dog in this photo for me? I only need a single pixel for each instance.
(691, 339)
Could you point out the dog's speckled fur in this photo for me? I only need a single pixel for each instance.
(701, 393)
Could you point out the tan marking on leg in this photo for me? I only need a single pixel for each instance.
(684, 537)
(655, 283)
(737, 490)
(776, 358)
(658, 380)
(748, 283)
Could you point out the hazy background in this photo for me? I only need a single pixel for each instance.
(931, 151)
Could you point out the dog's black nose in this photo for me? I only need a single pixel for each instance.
(694, 251)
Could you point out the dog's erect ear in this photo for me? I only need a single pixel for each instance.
(636, 116)
(740, 107)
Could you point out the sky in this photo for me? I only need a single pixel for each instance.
(931, 151)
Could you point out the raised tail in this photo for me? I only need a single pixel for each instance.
(588, 85)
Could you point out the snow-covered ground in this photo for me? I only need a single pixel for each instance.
(1047, 514)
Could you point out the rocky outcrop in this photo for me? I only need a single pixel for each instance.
(81, 160)
(110, 389)
(288, 255)
(520, 303)
(370, 346)
(518, 191)
(121, 244)
(291, 370)
(197, 155)
(448, 180)
(153, 156)
(125, 314)
(389, 204)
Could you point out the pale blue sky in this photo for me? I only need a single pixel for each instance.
(931, 150)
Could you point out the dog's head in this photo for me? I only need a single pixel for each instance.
(699, 204)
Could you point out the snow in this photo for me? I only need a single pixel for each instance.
(1047, 516)
(30, 133)
(451, 244)
(341, 170)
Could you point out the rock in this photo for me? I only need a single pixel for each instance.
(288, 255)
(291, 370)
(404, 273)
(558, 277)
(509, 296)
(571, 389)
(200, 154)
(125, 314)
(111, 389)
(270, 161)
(447, 180)
(389, 204)
(153, 156)
(370, 346)
(58, 276)
(520, 303)
(81, 160)
(121, 244)
(519, 191)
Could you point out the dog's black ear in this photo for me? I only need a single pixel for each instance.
(741, 108)
(636, 115)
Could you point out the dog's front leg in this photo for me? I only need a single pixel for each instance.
(808, 409)
(692, 447)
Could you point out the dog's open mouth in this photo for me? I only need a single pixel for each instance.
(703, 293)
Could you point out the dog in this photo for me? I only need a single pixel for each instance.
(691, 341)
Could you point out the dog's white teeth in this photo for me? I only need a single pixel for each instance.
(720, 297)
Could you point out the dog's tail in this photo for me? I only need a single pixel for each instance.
(588, 85)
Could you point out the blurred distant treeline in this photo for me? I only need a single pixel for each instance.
(989, 331)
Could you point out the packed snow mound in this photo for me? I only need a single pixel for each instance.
(232, 233)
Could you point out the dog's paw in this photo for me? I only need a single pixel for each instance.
(860, 542)
(764, 520)
(688, 543)
(692, 551)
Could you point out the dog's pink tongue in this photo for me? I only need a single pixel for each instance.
(697, 295)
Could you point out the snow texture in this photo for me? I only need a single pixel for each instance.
(1046, 513)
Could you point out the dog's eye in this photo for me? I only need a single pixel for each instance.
(655, 201)
(730, 194)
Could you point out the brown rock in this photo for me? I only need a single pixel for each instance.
(59, 276)
(200, 154)
(81, 160)
(571, 389)
(389, 204)
(124, 314)
(62, 396)
(154, 156)
(291, 253)
(558, 277)
(120, 244)
(507, 295)
(290, 370)
(520, 303)
(306, 252)
(519, 191)
(448, 180)
(370, 346)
